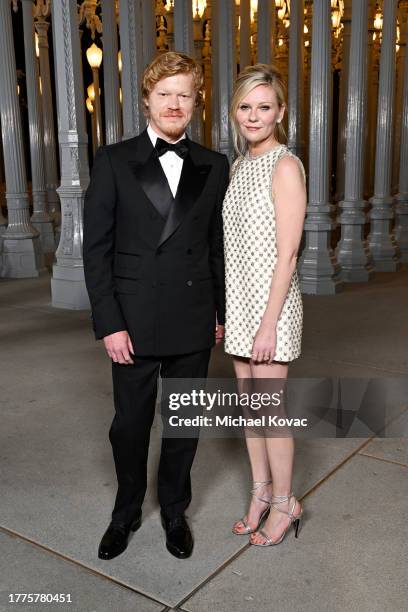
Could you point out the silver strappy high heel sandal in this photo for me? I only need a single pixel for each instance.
(279, 499)
(257, 485)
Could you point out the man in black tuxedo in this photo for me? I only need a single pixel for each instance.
(154, 270)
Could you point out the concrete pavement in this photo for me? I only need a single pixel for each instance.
(58, 482)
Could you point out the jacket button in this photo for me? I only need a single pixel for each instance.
(189, 251)
(189, 283)
(159, 252)
(154, 284)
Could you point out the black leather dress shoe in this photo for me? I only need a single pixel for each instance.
(115, 538)
(179, 541)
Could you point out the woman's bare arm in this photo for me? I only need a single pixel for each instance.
(289, 196)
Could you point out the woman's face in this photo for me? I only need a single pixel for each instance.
(257, 115)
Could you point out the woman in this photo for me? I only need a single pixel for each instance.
(263, 212)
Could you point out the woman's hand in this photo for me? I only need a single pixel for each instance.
(264, 345)
(219, 333)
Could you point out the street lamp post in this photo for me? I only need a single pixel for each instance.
(90, 108)
(94, 57)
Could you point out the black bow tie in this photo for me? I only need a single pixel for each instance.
(180, 148)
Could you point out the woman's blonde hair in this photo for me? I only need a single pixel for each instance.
(169, 64)
(249, 78)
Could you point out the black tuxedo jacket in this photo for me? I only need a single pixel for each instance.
(159, 277)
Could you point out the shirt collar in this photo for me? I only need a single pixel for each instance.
(154, 136)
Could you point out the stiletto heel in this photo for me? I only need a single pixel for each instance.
(295, 520)
(257, 485)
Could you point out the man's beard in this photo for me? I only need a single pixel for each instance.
(173, 132)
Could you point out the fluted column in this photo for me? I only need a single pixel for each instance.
(342, 103)
(183, 27)
(149, 31)
(68, 283)
(319, 273)
(22, 255)
(401, 199)
(130, 29)
(274, 30)
(183, 39)
(50, 147)
(400, 60)
(382, 245)
(3, 220)
(215, 77)
(245, 34)
(282, 60)
(352, 253)
(208, 65)
(113, 120)
(40, 219)
(281, 50)
(264, 40)
(296, 140)
(224, 72)
(170, 26)
(372, 98)
(308, 65)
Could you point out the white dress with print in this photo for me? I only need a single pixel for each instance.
(250, 258)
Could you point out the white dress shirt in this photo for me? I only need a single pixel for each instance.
(171, 163)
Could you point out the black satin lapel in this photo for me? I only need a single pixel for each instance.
(192, 181)
(153, 181)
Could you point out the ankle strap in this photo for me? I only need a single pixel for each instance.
(259, 483)
(282, 498)
(279, 499)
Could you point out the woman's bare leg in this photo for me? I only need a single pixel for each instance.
(280, 452)
(258, 458)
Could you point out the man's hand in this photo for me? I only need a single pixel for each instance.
(119, 346)
(219, 333)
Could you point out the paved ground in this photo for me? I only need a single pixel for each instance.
(58, 484)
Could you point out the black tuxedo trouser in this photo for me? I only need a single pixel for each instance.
(135, 390)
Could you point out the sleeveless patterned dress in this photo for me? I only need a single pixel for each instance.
(250, 257)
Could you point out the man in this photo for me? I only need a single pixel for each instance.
(154, 269)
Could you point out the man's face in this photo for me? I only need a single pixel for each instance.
(171, 106)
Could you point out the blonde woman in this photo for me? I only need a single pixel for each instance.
(263, 214)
